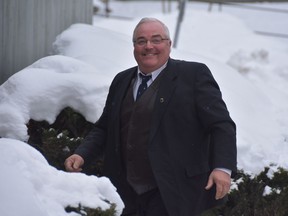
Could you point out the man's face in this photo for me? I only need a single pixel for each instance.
(150, 50)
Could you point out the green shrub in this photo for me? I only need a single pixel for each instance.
(84, 211)
(58, 141)
(249, 197)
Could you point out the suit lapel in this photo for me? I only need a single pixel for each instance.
(117, 102)
(121, 91)
(165, 93)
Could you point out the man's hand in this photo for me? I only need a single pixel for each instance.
(222, 181)
(74, 163)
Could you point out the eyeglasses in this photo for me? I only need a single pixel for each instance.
(154, 40)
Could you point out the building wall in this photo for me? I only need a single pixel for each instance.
(28, 29)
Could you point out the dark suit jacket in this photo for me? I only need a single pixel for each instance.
(191, 134)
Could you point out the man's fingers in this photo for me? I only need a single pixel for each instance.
(209, 183)
(222, 181)
(219, 192)
(68, 165)
(77, 165)
(222, 188)
(74, 163)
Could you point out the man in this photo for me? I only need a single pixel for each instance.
(171, 150)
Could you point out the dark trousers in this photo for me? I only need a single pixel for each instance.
(147, 204)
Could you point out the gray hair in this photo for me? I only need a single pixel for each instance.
(146, 20)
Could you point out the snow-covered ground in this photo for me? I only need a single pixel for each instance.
(251, 69)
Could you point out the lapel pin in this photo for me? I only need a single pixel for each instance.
(161, 100)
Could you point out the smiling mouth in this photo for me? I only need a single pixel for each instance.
(149, 54)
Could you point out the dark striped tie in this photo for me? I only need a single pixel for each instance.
(143, 85)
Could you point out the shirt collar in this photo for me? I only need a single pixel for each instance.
(154, 73)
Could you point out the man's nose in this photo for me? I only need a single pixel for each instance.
(148, 44)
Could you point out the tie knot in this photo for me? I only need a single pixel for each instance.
(145, 78)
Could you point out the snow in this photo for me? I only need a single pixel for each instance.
(252, 71)
(268, 190)
(26, 179)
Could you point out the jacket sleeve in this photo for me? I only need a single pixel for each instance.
(94, 143)
(215, 118)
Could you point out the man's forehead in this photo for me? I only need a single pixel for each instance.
(152, 36)
(151, 31)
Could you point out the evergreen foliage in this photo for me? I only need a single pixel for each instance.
(84, 211)
(265, 194)
(58, 141)
(260, 195)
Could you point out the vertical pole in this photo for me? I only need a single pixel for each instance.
(107, 8)
(210, 6)
(220, 6)
(179, 21)
(163, 6)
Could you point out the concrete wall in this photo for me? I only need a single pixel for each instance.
(29, 27)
